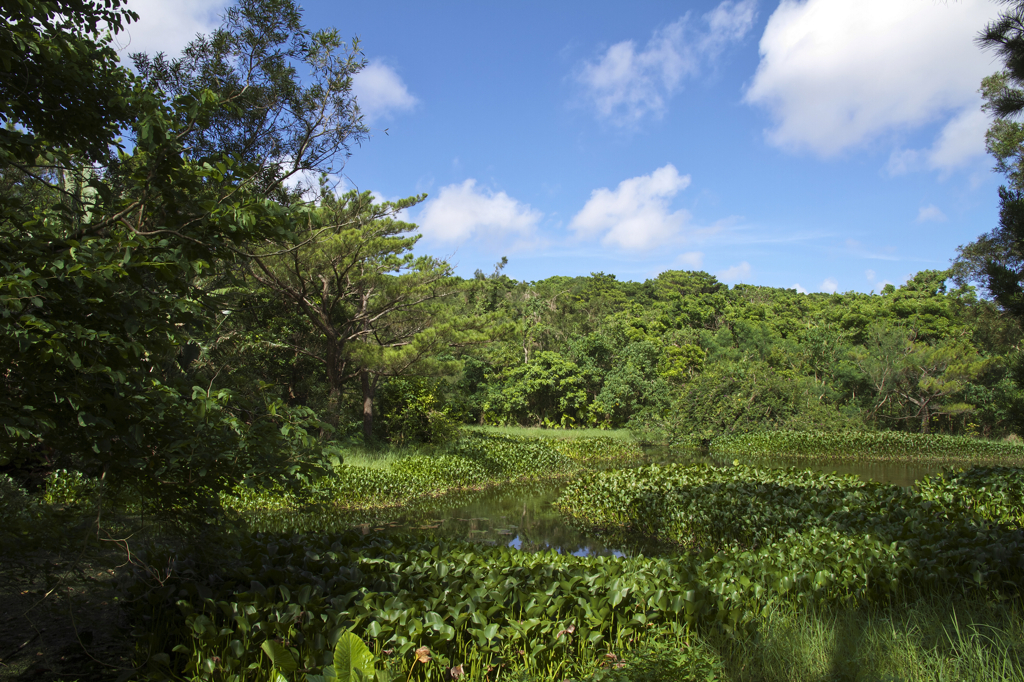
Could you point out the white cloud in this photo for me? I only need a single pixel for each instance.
(693, 260)
(168, 26)
(462, 211)
(799, 289)
(735, 274)
(829, 285)
(961, 139)
(380, 92)
(625, 85)
(930, 212)
(836, 74)
(636, 214)
(870, 274)
(903, 161)
(307, 181)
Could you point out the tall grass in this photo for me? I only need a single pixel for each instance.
(383, 457)
(536, 432)
(879, 446)
(926, 639)
(387, 455)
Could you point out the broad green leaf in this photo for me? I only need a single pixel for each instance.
(350, 655)
(280, 656)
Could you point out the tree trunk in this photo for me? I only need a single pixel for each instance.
(367, 385)
(293, 381)
(926, 418)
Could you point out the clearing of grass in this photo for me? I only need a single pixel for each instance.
(538, 432)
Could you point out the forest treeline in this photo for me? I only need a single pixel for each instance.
(181, 308)
(687, 354)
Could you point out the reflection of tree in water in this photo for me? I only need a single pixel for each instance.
(516, 514)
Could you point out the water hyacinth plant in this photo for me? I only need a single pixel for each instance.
(884, 446)
(473, 461)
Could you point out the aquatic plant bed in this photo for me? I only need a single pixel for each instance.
(757, 539)
(881, 446)
(476, 461)
(851, 537)
(288, 601)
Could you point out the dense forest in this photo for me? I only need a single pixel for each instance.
(166, 272)
(691, 354)
(213, 371)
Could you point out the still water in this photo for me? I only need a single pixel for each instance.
(521, 516)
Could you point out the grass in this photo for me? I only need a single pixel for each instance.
(385, 456)
(377, 458)
(926, 639)
(537, 432)
(874, 446)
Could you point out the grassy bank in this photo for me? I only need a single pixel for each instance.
(537, 432)
(876, 446)
(922, 640)
(475, 461)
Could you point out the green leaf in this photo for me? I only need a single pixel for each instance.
(280, 656)
(351, 654)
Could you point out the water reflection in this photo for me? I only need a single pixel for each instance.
(521, 516)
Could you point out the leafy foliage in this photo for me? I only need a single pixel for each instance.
(892, 446)
(761, 537)
(822, 536)
(474, 460)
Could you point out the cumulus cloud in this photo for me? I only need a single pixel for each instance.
(693, 260)
(168, 26)
(961, 139)
(463, 211)
(635, 215)
(836, 74)
(381, 92)
(735, 274)
(930, 212)
(799, 289)
(625, 84)
(829, 285)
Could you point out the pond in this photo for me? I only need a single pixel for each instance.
(521, 515)
(525, 519)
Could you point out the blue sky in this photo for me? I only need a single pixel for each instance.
(823, 144)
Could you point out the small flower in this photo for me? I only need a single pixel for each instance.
(423, 654)
(456, 672)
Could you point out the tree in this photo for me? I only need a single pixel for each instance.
(549, 390)
(996, 259)
(63, 89)
(103, 261)
(372, 302)
(917, 380)
(1005, 36)
(283, 125)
